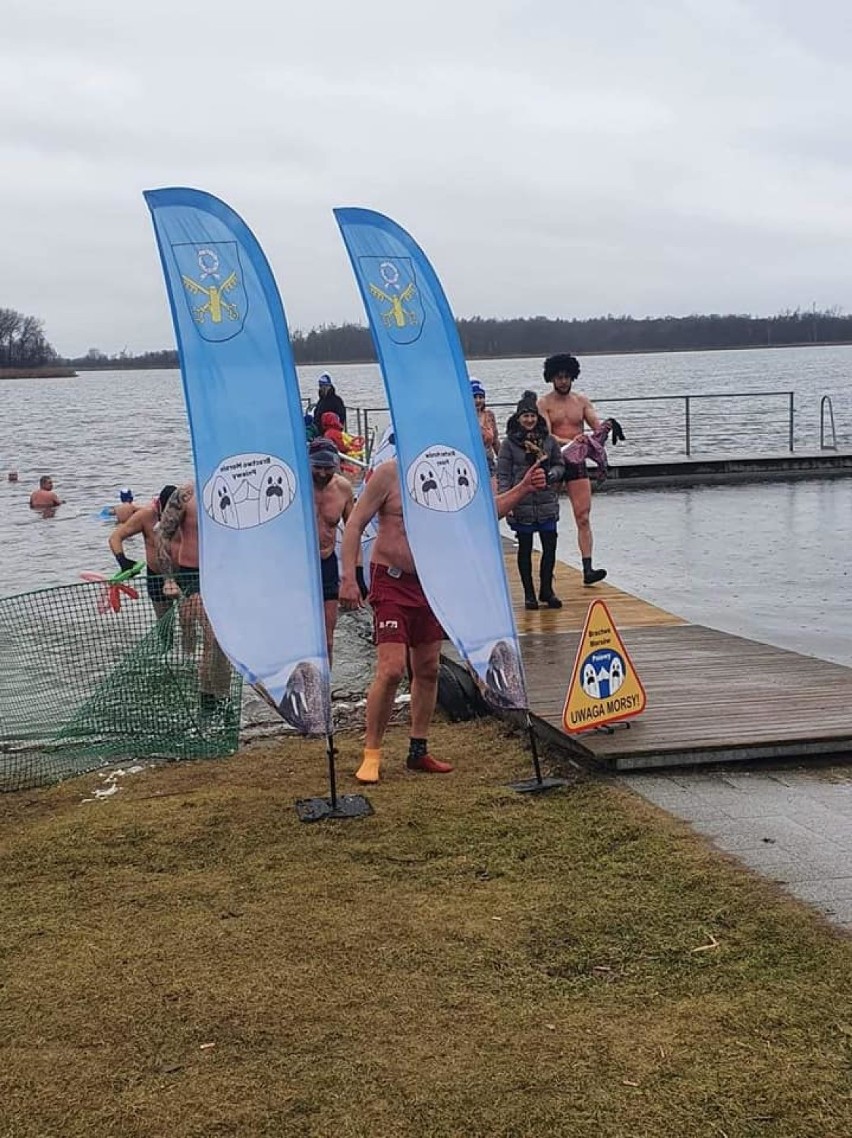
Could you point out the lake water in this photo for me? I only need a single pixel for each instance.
(768, 560)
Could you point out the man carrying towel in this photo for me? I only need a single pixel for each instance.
(566, 412)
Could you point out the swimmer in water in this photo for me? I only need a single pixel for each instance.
(44, 498)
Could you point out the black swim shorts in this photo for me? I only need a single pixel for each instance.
(330, 577)
(188, 580)
(154, 584)
(574, 471)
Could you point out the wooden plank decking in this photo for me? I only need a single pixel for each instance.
(712, 697)
(627, 611)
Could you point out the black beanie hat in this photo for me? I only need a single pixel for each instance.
(164, 496)
(527, 402)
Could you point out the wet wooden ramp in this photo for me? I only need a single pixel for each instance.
(712, 697)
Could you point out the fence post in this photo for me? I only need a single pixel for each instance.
(791, 421)
(688, 438)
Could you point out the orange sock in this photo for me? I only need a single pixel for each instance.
(369, 768)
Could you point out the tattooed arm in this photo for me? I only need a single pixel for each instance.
(171, 521)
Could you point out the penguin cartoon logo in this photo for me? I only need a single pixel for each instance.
(276, 492)
(220, 504)
(589, 680)
(442, 478)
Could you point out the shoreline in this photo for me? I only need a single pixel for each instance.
(118, 365)
(37, 373)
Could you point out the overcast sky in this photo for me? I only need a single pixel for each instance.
(552, 157)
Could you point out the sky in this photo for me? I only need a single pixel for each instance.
(552, 157)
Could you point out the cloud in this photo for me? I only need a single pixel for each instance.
(675, 157)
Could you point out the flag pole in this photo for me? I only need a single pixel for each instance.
(335, 806)
(537, 784)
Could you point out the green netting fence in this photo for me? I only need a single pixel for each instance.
(82, 688)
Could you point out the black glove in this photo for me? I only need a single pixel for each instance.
(618, 435)
(362, 584)
(124, 563)
(554, 475)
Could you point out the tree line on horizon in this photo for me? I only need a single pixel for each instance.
(23, 343)
(22, 340)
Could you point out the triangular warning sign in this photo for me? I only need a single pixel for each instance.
(604, 685)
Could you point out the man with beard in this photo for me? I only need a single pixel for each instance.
(333, 501)
(566, 412)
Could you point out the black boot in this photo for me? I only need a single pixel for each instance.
(591, 576)
(525, 569)
(548, 561)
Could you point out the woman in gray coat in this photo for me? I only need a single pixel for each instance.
(527, 441)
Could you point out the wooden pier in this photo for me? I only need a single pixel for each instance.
(714, 470)
(712, 697)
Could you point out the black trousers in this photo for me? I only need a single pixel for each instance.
(548, 561)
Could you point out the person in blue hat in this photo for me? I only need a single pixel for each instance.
(328, 400)
(487, 426)
(126, 507)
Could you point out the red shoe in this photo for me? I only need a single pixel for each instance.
(428, 765)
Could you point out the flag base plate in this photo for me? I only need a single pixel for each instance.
(322, 809)
(536, 786)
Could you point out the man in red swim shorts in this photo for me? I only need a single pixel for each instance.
(406, 627)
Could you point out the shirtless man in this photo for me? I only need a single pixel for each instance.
(144, 520)
(333, 501)
(566, 412)
(44, 498)
(404, 623)
(177, 557)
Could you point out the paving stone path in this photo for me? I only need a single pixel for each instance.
(793, 826)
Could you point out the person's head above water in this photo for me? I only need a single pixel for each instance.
(126, 494)
(45, 482)
(563, 365)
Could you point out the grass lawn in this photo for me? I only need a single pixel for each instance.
(187, 959)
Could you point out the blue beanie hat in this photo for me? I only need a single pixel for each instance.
(476, 387)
